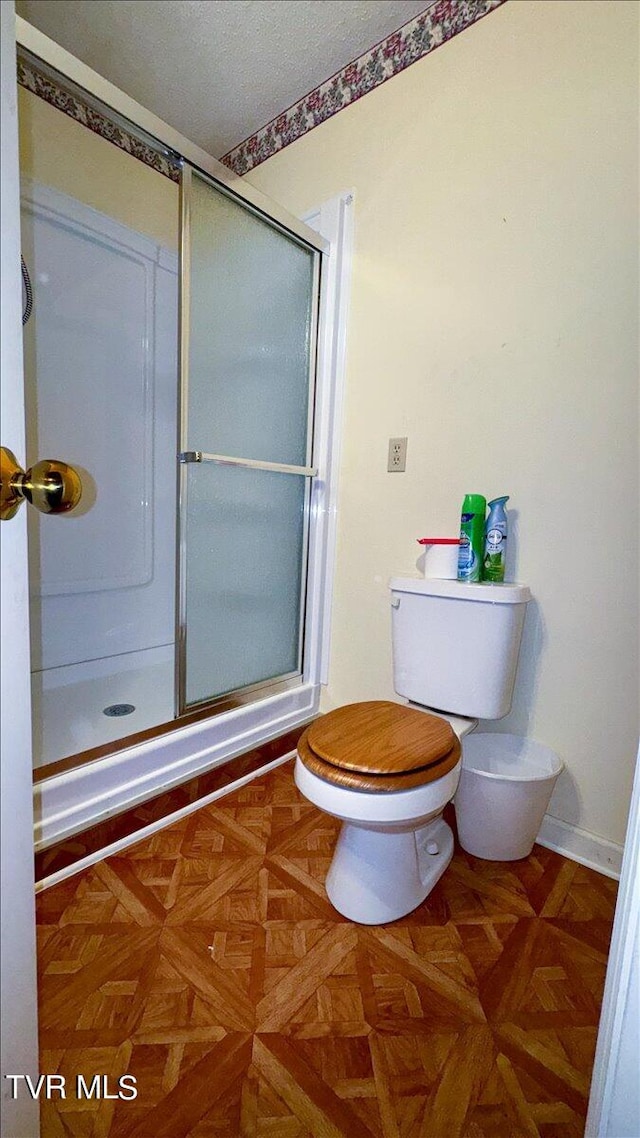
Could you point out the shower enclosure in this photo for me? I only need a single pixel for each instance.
(171, 346)
(100, 379)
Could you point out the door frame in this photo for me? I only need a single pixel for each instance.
(614, 1103)
(19, 1043)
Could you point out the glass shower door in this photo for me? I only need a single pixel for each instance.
(249, 310)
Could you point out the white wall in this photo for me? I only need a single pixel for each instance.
(494, 320)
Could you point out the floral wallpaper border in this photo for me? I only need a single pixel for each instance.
(46, 88)
(440, 22)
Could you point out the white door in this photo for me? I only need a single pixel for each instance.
(18, 956)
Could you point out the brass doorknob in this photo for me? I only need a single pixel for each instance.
(51, 486)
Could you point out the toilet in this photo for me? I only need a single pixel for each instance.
(387, 769)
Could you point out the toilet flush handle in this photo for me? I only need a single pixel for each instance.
(395, 602)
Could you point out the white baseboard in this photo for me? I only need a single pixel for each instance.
(581, 846)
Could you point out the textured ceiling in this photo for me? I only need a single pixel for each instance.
(218, 70)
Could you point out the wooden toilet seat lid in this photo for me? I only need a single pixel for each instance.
(352, 780)
(381, 738)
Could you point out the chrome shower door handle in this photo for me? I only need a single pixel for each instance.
(189, 456)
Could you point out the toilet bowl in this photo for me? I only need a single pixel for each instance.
(386, 771)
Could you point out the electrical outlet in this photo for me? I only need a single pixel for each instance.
(397, 457)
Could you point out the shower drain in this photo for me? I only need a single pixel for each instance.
(116, 709)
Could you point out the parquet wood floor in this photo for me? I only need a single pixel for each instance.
(68, 851)
(207, 962)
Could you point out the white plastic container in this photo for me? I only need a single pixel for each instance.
(440, 557)
(504, 790)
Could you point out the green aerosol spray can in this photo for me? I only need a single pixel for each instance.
(471, 538)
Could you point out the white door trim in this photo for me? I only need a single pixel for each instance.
(19, 1029)
(614, 1105)
(334, 221)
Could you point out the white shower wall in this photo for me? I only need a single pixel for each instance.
(101, 364)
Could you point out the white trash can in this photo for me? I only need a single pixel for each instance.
(504, 790)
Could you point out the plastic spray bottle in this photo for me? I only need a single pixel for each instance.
(471, 538)
(495, 540)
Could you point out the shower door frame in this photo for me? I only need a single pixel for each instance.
(280, 682)
(188, 747)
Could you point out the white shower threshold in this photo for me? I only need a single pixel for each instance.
(75, 799)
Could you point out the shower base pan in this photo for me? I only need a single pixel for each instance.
(87, 705)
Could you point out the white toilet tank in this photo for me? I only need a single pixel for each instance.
(455, 645)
